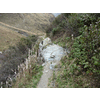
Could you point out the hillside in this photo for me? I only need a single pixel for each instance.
(80, 34)
(34, 62)
(34, 22)
(18, 34)
(16, 25)
(8, 38)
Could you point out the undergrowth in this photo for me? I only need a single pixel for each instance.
(14, 56)
(31, 79)
(80, 68)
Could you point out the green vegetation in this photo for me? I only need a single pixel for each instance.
(34, 22)
(8, 38)
(80, 68)
(15, 55)
(31, 79)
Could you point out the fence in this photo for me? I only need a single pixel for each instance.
(22, 68)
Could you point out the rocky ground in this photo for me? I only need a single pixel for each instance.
(51, 54)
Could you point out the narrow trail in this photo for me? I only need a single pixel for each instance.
(20, 31)
(47, 73)
(51, 54)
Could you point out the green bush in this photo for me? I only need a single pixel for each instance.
(56, 30)
(67, 14)
(76, 21)
(86, 48)
(56, 25)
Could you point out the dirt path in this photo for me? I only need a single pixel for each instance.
(47, 73)
(21, 31)
(51, 54)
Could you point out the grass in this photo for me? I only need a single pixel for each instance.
(31, 79)
(34, 22)
(84, 71)
(31, 24)
(16, 29)
(33, 75)
(15, 56)
(8, 38)
(65, 78)
(16, 46)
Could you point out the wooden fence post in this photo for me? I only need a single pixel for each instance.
(6, 84)
(19, 75)
(72, 37)
(18, 68)
(29, 59)
(21, 68)
(1, 84)
(26, 63)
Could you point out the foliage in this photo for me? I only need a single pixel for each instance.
(31, 80)
(14, 56)
(55, 30)
(56, 26)
(67, 14)
(85, 49)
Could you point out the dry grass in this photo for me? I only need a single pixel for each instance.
(16, 29)
(31, 76)
(29, 23)
(64, 78)
(34, 22)
(8, 38)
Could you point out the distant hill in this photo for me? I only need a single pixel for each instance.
(8, 37)
(56, 14)
(13, 26)
(34, 22)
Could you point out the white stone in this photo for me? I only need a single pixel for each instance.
(43, 64)
(52, 56)
(0, 52)
(44, 43)
(51, 53)
(46, 71)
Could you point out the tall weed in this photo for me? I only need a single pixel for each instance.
(14, 56)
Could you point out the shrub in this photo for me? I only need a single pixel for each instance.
(86, 49)
(67, 14)
(55, 26)
(16, 55)
(56, 30)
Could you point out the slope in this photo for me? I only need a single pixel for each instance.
(8, 37)
(80, 34)
(34, 22)
(14, 25)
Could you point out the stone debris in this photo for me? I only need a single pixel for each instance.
(0, 52)
(51, 54)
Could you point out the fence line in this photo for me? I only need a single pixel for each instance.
(22, 68)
